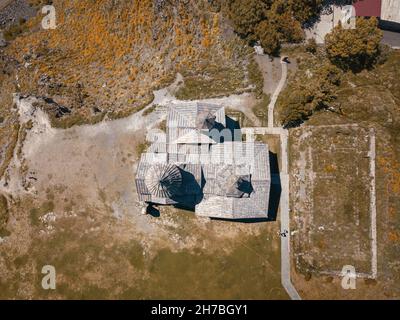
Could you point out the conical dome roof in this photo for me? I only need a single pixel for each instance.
(164, 180)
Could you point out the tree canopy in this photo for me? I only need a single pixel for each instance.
(304, 10)
(355, 49)
(272, 22)
(246, 15)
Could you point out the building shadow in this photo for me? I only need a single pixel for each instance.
(232, 126)
(251, 220)
(152, 210)
(191, 192)
(276, 187)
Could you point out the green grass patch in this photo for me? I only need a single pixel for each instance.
(212, 81)
(256, 78)
(36, 213)
(149, 110)
(4, 216)
(142, 147)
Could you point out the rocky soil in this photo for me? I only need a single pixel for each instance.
(11, 12)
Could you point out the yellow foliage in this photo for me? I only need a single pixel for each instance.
(391, 168)
(122, 40)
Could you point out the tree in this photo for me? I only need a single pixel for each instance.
(304, 10)
(272, 22)
(311, 46)
(278, 27)
(355, 49)
(280, 17)
(246, 15)
(317, 93)
(269, 38)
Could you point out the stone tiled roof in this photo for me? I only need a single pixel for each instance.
(229, 180)
(190, 121)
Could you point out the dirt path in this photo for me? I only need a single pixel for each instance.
(271, 71)
(274, 84)
(279, 88)
(284, 207)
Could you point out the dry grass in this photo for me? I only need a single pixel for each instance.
(9, 149)
(116, 78)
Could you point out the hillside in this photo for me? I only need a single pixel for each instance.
(105, 60)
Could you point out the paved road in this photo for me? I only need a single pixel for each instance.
(285, 220)
(284, 201)
(275, 96)
(391, 38)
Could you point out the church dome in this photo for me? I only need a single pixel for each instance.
(164, 180)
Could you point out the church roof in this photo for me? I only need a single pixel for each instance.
(229, 180)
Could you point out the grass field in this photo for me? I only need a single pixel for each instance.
(331, 199)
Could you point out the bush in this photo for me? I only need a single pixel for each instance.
(13, 32)
(311, 46)
(304, 10)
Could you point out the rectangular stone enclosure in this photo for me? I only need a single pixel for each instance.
(333, 199)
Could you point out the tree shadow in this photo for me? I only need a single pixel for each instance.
(295, 123)
(325, 9)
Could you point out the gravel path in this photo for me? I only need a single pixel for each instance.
(276, 94)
